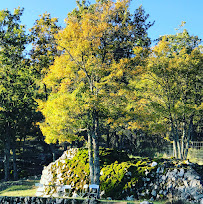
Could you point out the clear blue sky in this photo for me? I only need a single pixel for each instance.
(168, 14)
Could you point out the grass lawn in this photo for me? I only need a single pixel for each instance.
(18, 188)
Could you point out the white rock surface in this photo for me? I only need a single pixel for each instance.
(145, 202)
(154, 164)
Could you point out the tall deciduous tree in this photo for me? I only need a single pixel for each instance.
(89, 80)
(172, 89)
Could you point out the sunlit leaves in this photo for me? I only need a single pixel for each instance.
(96, 67)
(171, 84)
(59, 120)
(44, 48)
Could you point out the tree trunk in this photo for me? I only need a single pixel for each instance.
(15, 172)
(20, 145)
(65, 146)
(174, 133)
(7, 158)
(175, 143)
(188, 137)
(46, 92)
(175, 149)
(184, 138)
(52, 147)
(108, 139)
(186, 149)
(116, 140)
(90, 153)
(121, 141)
(179, 155)
(96, 149)
(179, 150)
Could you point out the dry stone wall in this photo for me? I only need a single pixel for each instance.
(38, 200)
(184, 184)
(168, 179)
(47, 178)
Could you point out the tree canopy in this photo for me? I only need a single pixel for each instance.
(89, 80)
(172, 88)
(17, 105)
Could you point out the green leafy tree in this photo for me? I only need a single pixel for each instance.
(44, 50)
(42, 54)
(16, 89)
(172, 99)
(88, 81)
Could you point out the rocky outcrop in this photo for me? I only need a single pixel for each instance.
(52, 174)
(178, 183)
(129, 180)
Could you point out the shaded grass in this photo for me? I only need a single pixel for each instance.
(18, 191)
(196, 156)
(18, 188)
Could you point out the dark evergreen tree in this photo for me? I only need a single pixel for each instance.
(17, 106)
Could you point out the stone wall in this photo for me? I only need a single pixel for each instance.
(177, 183)
(164, 179)
(47, 173)
(38, 200)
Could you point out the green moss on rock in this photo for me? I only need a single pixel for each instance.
(120, 175)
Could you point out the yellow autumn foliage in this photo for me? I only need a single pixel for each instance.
(93, 72)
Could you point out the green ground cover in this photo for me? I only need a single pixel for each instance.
(18, 188)
(21, 191)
